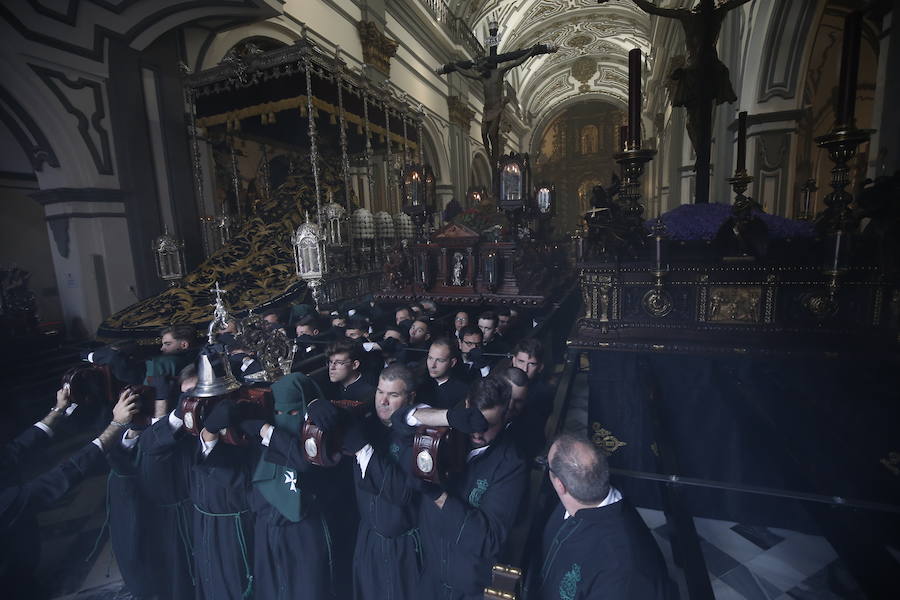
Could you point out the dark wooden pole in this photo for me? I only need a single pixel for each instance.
(634, 99)
(846, 98)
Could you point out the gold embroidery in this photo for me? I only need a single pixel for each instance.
(606, 440)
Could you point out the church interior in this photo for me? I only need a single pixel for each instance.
(684, 213)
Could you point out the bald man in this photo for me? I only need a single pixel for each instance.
(595, 544)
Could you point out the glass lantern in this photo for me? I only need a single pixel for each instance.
(308, 243)
(169, 257)
(514, 171)
(545, 199)
(414, 185)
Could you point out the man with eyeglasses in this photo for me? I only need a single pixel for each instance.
(442, 389)
(347, 382)
(459, 321)
(595, 543)
(473, 365)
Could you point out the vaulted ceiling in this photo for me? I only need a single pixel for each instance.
(593, 40)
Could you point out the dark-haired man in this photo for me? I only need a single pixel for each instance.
(528, 427)
(442, 389)
(344, 362)
(465, 524)
(473, 365)
(488, 322)
(595, 544)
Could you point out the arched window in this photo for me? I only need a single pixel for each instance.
(590, 141)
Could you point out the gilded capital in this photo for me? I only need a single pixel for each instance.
(377, 48)
(460, 113)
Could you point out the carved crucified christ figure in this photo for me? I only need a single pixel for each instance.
(490, 71)
(703, 81)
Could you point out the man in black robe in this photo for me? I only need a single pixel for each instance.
(387, 559)
(464, 525)
(442, 388)
(473, 365)
(21, 501)
(149, 504)
(595, 544)
(344, 375)
(529, 425)
(292, 553)
(493, 342)
(218, 481)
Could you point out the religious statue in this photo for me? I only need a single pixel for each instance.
(490, 70)
(703, 79)
(457, 269)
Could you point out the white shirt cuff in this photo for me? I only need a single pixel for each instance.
(44, 427)
(363, 456)
(411, 420)
(267, 437)
(207, 447)
(174, 422)
(130, 442)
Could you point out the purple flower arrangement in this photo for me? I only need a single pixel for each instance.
(702, 221)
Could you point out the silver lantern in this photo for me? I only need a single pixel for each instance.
(169, 255)
(309, 244)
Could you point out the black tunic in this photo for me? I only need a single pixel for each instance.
(223, 525)
(163, 468)
(387, 560)
(447, 395)
(463, 540)
(132, 524)
(291, 559)
(528, 428)
(605, 552)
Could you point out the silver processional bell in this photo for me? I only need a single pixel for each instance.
(214, 377)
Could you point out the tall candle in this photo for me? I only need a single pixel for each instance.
(742, 142)
(634, 98)
(623, 137)
(837, 250)
(846, 99)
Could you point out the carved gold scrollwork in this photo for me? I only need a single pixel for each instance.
(605, 440)
(377, 48)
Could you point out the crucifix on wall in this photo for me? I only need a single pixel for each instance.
(490, 70)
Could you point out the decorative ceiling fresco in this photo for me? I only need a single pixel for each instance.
(593, 41)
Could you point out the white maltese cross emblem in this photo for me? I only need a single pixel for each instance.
(291, 478)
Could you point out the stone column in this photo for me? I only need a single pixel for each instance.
(91, 254)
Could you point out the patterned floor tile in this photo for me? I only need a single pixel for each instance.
(807, 554)
(717, 562)
(721, 534)
(749, 585)
(653, 518)
(833, 582)
(776, 571)
(723, 591)
(760, 536)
